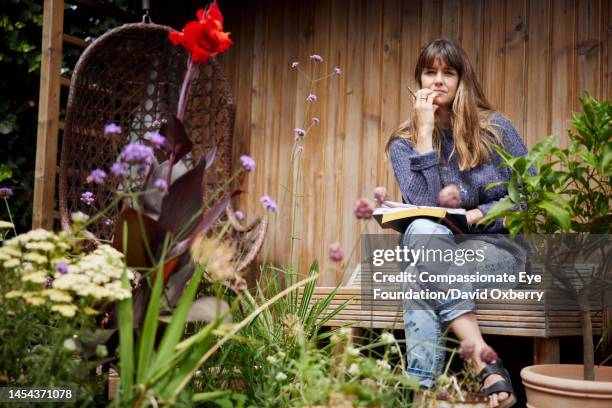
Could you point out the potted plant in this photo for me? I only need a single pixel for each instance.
(566, 192)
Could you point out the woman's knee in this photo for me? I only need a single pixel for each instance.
(425, 226)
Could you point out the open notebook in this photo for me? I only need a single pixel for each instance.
(399, 215)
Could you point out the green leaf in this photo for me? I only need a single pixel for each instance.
(559, 215)
(126, 335)
(5, 172)
(174, 331)
(513, 190)
(558, 199)
(149, 328)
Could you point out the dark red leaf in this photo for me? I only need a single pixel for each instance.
(177, 143)
(183, 201)
(137, 255)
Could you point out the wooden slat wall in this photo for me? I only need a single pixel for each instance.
(533, 57)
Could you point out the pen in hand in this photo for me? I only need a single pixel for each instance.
(412, 92)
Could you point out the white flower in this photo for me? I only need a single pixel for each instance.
(281, 376)
(383, 364)
(70, 345)
(79, 217)
(36, 258)
(6, 225)
(66, 310)
(44, 246)
(354, 369)
(31, 298)
(271, 359)
(352, 351)
(13, 294)
(395, 349)
(35, 277)
(387, 338)
(56, 295)
(11, 263)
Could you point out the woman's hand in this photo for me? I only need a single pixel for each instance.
(473, 216)
(449, 197)
(425, 110)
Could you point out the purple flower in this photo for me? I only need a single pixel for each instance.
(5, 192)
(316, 57)
(118, 169)
(316, 121)
(268, 203)
(112, 128)
(336, 252)
(155, 138)
(311, 97)
(161, 185)
(247, 162)
(61, 268)
(239, 215)
(299, 132)
(299, 149)
(96, 176)
(48, 282)
(87, 197)
(363, 209)
(108, 222)
(337, 71)
(137, 153)
(294, 64)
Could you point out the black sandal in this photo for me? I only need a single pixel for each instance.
(505, 385)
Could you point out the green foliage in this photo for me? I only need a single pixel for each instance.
(563, 190)
(285, 358)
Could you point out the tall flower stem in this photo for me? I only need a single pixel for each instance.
(8, 208)
(182, 106)
(182, 103)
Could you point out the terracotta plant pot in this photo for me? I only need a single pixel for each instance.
(562, 386)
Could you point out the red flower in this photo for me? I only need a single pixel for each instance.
(203, 38)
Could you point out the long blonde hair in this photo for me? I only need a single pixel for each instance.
(473, 133)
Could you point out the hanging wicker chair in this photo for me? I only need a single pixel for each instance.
(132, 76)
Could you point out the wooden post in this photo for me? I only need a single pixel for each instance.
(546, 350)
(48, 114)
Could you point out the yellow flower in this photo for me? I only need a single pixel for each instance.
(35, 258)
(90, 311)
(216, 256)
(41, 246)
(66, 310)
(10, 251)
(12, 263)
(56, 295)
(13, 294)
(35, 277)
(6, 225)
(33, 298)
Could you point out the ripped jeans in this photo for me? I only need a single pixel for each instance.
(425, 321)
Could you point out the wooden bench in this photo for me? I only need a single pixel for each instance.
(510, 318)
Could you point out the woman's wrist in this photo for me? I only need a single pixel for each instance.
(424, 141)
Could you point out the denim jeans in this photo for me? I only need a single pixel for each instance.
(425, 321)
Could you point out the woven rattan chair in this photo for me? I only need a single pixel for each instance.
(132, 76)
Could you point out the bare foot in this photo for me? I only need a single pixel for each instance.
(496, 398)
